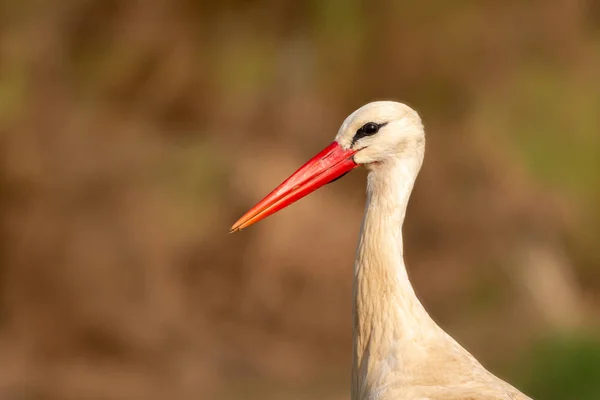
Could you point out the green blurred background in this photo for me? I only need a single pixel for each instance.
(133, 133)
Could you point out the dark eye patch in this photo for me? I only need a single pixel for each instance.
(368, 129)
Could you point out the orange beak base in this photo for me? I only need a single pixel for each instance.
(328, 165)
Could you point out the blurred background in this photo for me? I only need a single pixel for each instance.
(133, 133)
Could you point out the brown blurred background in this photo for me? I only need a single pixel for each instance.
(133, 133)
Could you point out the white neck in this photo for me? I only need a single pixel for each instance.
(386, 310)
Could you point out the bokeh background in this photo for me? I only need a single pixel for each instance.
(133, 133)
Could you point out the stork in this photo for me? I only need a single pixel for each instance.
(399, 352)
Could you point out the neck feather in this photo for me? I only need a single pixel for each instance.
(386, 310)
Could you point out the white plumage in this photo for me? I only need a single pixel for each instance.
(399, 352)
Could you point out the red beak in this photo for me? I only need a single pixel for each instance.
(330, 164)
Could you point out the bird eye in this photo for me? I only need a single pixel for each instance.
(370, 128)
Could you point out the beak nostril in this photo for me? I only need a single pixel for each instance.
(327, 155)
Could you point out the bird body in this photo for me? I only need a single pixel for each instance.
(399, 352)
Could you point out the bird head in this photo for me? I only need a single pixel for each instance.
(382, 131)
(375, 135)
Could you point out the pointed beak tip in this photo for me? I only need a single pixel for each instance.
(238, 225)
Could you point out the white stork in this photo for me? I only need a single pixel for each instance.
(399, 352)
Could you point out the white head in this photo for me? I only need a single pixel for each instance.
(382, 131)
(378, 135)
